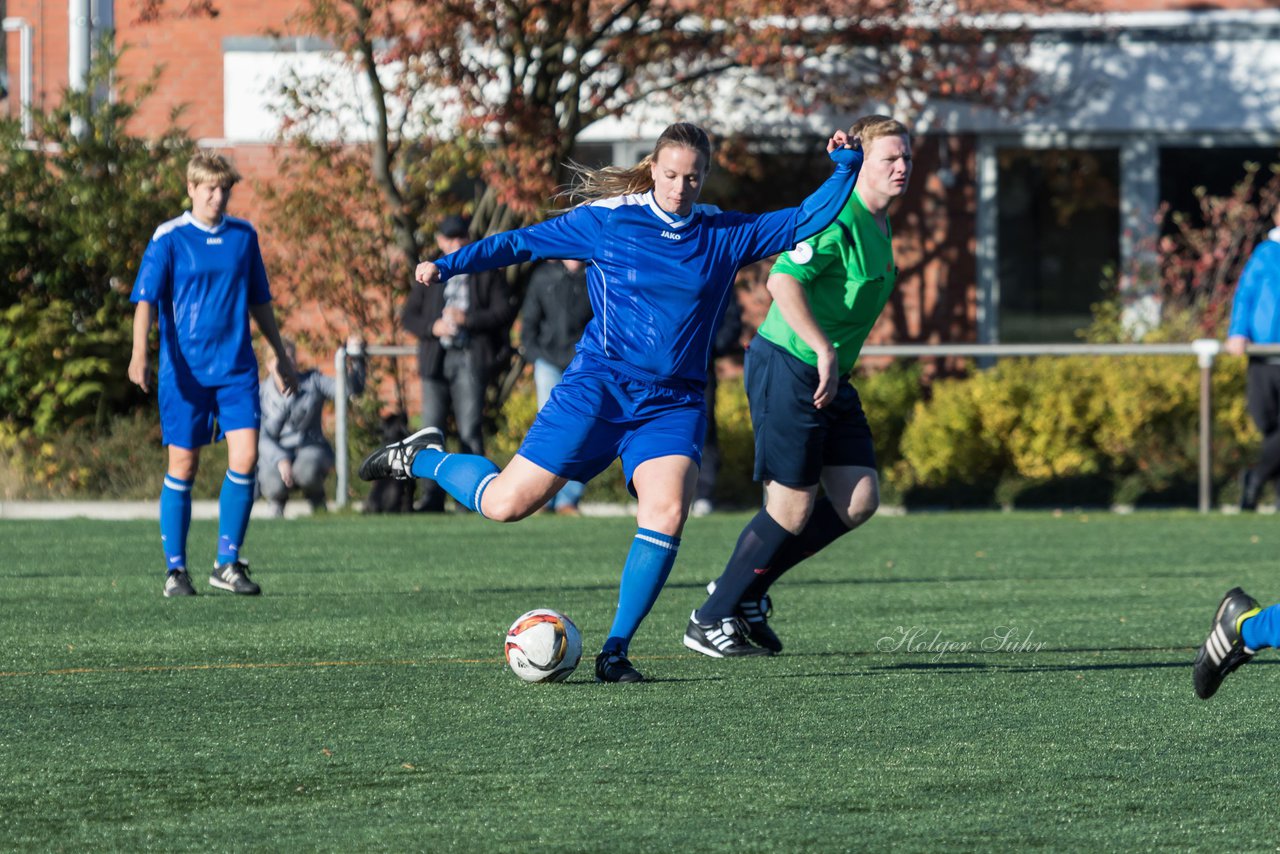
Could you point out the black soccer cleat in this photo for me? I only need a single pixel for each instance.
(614, 667)
(396, 460)
(756, 612)
(724, 638)
(1223, 651)
(234, 576)
(178, 583)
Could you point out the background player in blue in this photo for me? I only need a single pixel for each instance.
(660, 268)
(203, 275)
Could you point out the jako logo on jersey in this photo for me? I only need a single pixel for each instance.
(213, 241)
(670, 235)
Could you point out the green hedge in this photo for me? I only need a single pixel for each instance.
(1090, 429)
(1028, 432)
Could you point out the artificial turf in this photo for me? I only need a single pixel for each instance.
(950, 682)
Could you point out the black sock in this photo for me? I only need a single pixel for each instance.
(757, 546)
(823, 528)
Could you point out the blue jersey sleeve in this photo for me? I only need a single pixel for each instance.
(571, 235)
(155, 275)
(768, 234)
(259, 288)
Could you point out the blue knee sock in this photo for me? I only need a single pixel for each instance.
(234, 505)
(648, 564)
(1262, 630)
(464, 476)
(175, 520)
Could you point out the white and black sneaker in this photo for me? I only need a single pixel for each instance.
(396, 460)
(724, 638)
(178, 583)
(756, 612)
(234, 576)
(1224, 650)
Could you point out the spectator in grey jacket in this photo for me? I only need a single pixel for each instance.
(293, 452)
(556, 310)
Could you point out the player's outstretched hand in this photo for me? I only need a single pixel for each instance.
(843, 151)
(427, 273)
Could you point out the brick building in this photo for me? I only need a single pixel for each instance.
(1146, 100)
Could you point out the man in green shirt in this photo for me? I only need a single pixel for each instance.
(810, 429)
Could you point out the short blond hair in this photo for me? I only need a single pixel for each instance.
(206, 167)
(870, 128)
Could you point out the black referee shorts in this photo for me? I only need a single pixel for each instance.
(794, 439)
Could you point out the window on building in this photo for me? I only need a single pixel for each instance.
(1218, 170)
(1058, 233)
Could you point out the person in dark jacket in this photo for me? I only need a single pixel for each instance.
(556, 310)
(462, 329)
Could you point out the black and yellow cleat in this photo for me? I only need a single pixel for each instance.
(1223, 651)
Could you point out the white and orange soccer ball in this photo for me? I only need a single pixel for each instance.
(543, 646)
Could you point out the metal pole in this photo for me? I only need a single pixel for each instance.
(1206, 350)
(340, 427)
(26, 87)
(79, 50)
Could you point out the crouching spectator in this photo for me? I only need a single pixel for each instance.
(293, 453)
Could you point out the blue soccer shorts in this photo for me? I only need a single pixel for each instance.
(596, 415)
(795, 440)
(189, 411)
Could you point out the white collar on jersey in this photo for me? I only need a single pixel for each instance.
(188, 219)
(669, 218)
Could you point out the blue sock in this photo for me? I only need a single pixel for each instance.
(757, 545)
(1262, 630)
(464, 476)
(648, 564)
(175, 520)
(234, 504)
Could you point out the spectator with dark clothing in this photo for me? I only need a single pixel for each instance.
(556, 310)
(727, 342)
(463, 329)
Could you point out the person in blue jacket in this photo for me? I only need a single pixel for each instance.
(1255, 317)
(660, 270)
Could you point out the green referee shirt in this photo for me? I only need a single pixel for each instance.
(847, 273)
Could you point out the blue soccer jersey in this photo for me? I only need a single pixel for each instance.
(658, 283)
(202, 281)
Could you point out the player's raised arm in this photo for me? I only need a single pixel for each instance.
(771, 233)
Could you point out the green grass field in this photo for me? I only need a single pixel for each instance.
(362, 703)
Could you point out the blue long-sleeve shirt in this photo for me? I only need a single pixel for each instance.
(657, 282)
(1255, 311)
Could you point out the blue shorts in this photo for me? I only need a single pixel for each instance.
(596, 414)
(795, 440)
(189, 410)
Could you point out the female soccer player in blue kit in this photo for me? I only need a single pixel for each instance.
(660, 268)
(203, 275)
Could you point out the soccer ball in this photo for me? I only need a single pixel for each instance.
(543, 646)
